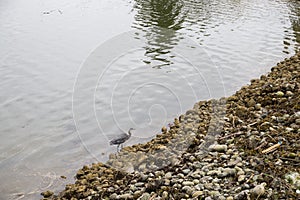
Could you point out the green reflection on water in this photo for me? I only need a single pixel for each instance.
(159, 21)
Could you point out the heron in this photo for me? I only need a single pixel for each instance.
(121, 138)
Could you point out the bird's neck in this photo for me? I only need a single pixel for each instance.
(129, 132)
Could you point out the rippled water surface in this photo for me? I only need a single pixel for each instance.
(76, 73)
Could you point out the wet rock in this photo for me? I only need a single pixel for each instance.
(164, 129)
(47, 194)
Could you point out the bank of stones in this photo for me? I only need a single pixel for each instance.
(217, 150)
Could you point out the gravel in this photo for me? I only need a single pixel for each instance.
(245, 146)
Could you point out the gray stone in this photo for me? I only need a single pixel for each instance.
(125, 196)
(165, 195)
(227, 172)
(186, 171)
(113, 196)
(218, 147)
(214, 193)
(213, 172)
(242, 195)
(258, 190)
(188, 190)
(145, 196)
(139, 184)
(187, 183)
(241, 178)
(168, 175)
(221, 198)
(197, 194)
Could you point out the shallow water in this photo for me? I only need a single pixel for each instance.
(75, 73)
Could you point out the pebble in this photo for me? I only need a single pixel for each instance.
(125, 196)
(258, 106)
(213, 172)
(144, 196)
(188, 183)
(186, 171)
(197, 194)
(168, 175)
(258, 190)
(242, 195)
(165, 195)
(279, 94)
(139, 184)
(241, 178)
(229, 171)
(187, 189)
(218, 148)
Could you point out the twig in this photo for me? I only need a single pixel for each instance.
(271, 137)
(272, 148)
(289, 159)
(230, 135)
(252, 124)
(262, 145)
(249, 178)
(151, 198)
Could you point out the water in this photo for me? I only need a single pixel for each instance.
(75, 73)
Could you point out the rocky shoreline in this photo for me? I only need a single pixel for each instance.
(246, 146)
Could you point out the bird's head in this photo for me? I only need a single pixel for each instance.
(129, 131)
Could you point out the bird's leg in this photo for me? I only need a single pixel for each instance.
(118, 148)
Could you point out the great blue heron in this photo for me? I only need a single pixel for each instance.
(121, 138)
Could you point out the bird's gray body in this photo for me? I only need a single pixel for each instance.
(121, 138)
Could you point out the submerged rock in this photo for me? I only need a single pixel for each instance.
(47, 194)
